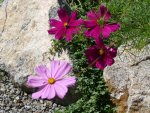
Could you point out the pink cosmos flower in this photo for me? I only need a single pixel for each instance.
(98, 24)
(100, 55)
(66, 27)
(51, 81)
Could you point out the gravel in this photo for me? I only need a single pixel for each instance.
(14, 100)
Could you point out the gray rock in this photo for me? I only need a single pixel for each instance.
(54, 105)
(27, 107)
(128, 80)
(24, 41)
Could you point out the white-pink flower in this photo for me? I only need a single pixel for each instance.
(51, 81)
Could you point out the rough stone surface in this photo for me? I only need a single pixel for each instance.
(128, 80)
(24, 41)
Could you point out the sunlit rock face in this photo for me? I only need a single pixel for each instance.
(24, 41)
(128, 80)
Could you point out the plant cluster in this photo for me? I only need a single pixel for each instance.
(134, 16)
(1, 1)
(97, 27)
(134, 33)
(90, 51)
(92, 45)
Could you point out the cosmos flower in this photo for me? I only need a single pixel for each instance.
(100, 55)
(51, 81)
(66, 26)
(98, 24)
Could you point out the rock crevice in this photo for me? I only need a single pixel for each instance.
(3, 28)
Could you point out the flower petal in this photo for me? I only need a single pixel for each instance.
(39, 93)
(60, 89)
(92, 15)
(36, 81)
(106, 32)
(54, 65)
(63, 15)
(73, 16)
(56, 23)
(68, 35)
(68, 81)
(92, 54)
(51, 92)
(45, 92)
(53, 31)
(76, 23)
(108, 28)
(113, 52)
(75, 30)
(41, 71)
(60, 34)
(114, 27)
(63, 69)
(100, 64)
(89, 23)
(99, 42)
(94, 32)
(107, 16)
(102, 11)
(109, 61)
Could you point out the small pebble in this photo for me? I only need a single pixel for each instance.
(54, 105)
(41, 101)
(17, 98)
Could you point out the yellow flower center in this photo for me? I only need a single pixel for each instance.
(51, 80)
(65, 24)
(101, 52)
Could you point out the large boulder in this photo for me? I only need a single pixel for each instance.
(24, 41)
(128, 80)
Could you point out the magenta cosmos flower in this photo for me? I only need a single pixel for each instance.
(66, 27)
(100, 55)
(51, 81)
(98, 24)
